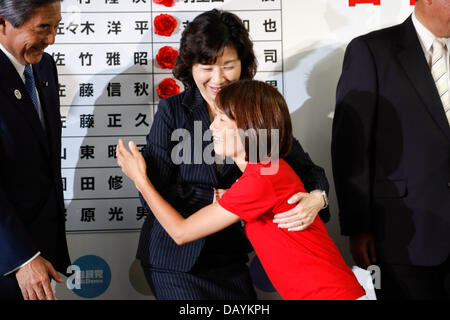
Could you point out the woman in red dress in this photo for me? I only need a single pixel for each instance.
(252, 126)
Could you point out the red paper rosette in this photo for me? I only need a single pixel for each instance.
(166, 57)
(168, 87)
(165, 24)
(167, 3)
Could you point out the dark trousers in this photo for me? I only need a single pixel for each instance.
(228, 283)
(403, 282)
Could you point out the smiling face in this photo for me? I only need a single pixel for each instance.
(226, 139)
(28, 41)
(211, 78)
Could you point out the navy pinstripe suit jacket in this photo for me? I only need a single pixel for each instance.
(189, 187)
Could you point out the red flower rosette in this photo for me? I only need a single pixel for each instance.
(168, 87)
(166, 57)
(167, 3)
(165, 24)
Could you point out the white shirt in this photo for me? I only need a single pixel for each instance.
(20, 69)
(426, 39)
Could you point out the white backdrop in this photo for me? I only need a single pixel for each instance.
(309, 40)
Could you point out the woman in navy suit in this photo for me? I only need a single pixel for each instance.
(215, 50)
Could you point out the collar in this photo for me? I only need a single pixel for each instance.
(20, 68)
(193, 98)
(426, 37)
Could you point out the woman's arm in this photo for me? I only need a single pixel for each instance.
(206, 221)
(185, 196)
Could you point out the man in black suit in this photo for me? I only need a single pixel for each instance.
(391, 153)
(32, 232)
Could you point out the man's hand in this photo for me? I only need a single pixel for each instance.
(304, 214)
(362, 248)
(34, 279)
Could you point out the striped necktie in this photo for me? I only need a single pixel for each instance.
(31, 86)
(440, 73)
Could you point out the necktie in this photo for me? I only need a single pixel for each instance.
(31, 87)
(440, 73)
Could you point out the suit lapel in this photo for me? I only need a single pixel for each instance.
(198, 107)
(199, 111)
(11, 83)
(227, 168)
(47, 104)
(412, 59)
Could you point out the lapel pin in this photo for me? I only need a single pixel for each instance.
(17, 94)
(45, 83)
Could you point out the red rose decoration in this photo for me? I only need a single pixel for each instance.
(166, 57)
(167, 3)
(165, 24)
(168, 87)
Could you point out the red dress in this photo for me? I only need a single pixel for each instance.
(300, 265)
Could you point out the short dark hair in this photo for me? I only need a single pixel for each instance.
(204, 39)
(257, 105)
(17, 12)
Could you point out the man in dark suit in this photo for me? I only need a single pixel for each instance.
(391, 154)
(32, 231)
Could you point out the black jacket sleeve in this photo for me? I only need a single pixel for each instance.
(312, 176)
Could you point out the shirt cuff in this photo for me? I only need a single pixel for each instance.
(12, 271)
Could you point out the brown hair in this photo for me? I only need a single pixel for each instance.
(204, 39)
(258, 107)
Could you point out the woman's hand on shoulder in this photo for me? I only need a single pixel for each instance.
(303, 214)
